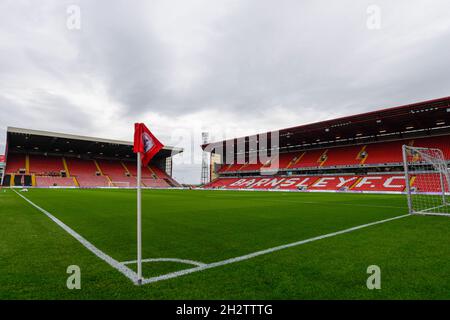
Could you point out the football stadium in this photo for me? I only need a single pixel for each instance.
(225, 159)
(307, 212)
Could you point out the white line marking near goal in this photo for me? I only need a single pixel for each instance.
(192, 262)
(262, 252)
(426, 211)
(130, 274)
(423, 213)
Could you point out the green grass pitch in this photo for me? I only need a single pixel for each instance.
(210, 226)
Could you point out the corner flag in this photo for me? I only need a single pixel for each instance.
(145, 143)
(146, 146)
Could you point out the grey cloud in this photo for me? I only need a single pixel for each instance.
(118, 47)
(46, 112)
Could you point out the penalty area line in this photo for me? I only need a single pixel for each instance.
(130, 274)
(263, 252)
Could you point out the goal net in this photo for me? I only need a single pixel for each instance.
(119, 184)
(427, 181)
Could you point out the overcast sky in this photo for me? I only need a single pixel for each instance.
(227, 67)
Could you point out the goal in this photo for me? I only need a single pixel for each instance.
(427, 181)
(118, 184)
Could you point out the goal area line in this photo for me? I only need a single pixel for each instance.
(199, 266)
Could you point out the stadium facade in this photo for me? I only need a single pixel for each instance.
(49, 159)
(358, 153)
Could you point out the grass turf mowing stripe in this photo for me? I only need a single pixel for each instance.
(263, 252)
(130, 274)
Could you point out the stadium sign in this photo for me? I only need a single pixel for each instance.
(382, 182)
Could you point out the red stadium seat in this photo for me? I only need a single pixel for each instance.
(387, 152)
(44, 165)
(92, 181)
(311, 158)
(15, 162)
(47, 181)
(343, 156)
(114, 169)
(81, 166)
(442, 142)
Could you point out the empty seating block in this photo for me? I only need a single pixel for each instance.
(81, 167)
(124, 182)
(43, 181)
(310, 159)
(113, 169)
(442, 142)
(92, 181)
(132, 169)
(44, 165)
(285, 159)
(85, 172)
(47, 170)
(159, 173)
(343, 156)
(15, 162)
(155, 183)
(428, 183)
(388, 152)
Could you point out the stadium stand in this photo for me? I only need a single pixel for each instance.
(130, 167)
(360, 153)
(46, 159)
(346, 156)
(389, 152)
(47, 181)
(442, 142)
(155, 183)
(80, 167)
(311, 158)
(427, 182)
(15, 163)
(45, 165)
(375, 153)
(113, 169)
(157, 173)
(92, 181)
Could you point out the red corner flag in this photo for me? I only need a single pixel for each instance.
(145, 143)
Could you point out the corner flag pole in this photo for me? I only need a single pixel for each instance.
(145, 144)
(139, 229)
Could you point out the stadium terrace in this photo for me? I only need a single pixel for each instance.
(359, 153)
(48, 159)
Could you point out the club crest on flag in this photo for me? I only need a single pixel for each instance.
(148, 142)
(145, 143)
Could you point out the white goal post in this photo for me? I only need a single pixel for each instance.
(118, 184)
(427, 181)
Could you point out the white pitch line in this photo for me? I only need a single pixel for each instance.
(121, 267)
(130, 274)
(195, 263)
(262, 252)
